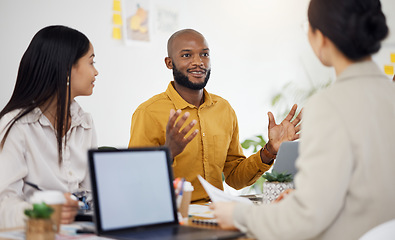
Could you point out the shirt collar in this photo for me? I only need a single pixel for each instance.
(360, 69)
(180, 103)
(78, 117)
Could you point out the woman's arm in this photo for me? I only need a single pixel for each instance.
(12, 171)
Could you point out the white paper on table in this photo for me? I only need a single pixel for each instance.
(15, 234)
(217, 195)
(198, 210)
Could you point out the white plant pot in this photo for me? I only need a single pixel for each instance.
(271, 190)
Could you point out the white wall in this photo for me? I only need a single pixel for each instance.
(256, 47)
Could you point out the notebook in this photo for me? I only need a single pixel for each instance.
(286, 158)
(133, 196)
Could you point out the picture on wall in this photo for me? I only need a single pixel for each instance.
(136, 14)
(166, 20)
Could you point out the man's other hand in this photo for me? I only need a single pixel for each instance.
(175, 136)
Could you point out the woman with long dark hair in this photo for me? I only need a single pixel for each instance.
(344, 185)
(44, 133)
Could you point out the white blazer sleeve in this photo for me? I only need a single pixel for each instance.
(308, 211)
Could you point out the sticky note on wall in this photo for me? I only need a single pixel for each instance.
(116, 33)
(388, 69)
(393, 57)
(116, 5)
(117, 19)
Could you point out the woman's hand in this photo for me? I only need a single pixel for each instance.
(223, 212)
(284, 194)
(69, 209)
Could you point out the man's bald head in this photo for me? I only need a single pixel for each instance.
(176, 35)
(189, 58)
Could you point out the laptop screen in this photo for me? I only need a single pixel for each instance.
(286, 158)
(132, 187)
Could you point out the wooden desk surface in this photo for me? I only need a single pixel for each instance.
(190, 223)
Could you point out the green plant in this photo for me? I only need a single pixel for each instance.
(274, 176)
(282, 101)
(256, 142)
(39, 211)
(291, 93)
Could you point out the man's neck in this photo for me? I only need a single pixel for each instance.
(194, 97)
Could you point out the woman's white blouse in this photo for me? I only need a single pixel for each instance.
(30, 153)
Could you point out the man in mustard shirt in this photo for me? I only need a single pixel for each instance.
(205, 139)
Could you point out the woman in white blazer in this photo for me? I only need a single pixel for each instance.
(345, 179)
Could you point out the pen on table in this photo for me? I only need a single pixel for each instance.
(33, 185)
(175, 184)
(182, 186)
(180, 192)
(80, 203)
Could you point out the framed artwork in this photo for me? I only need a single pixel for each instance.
(137, 19)
(166, 21)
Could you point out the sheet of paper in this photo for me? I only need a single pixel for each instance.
(67, 232)
(198, 210)
(217, 195)
(17, 234)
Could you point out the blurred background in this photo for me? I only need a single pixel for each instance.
(260, 56)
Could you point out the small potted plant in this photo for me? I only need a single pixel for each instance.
(39, 224)
(275, 184)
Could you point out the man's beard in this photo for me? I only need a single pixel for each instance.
(183, 80)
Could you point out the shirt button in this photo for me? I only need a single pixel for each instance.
(70, 173)
(204, 134)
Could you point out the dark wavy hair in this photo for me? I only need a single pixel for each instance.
(356, 27)
(43, 73)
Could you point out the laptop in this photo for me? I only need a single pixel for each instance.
(286, 158)
(133, 196)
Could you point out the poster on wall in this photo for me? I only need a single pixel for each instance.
(137, 21)
(166, 21)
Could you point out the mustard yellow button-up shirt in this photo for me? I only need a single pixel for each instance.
(214, 150)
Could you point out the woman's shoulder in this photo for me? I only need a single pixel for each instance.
(29, 117)
(10, 115)
(6, 120)
(79, 116)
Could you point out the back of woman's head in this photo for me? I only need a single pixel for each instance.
(356, 27)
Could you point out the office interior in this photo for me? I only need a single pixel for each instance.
(257, 47)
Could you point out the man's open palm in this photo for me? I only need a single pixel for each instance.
(287, 130)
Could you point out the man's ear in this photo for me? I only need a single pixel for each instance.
(169, 62)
